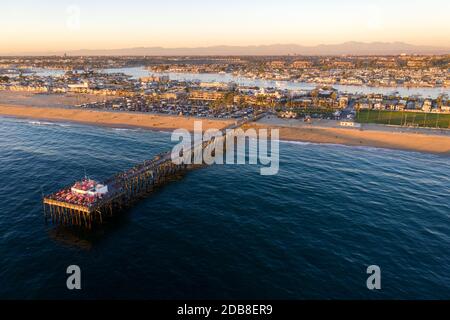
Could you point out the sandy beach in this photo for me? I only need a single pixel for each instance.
(353, 137)
(62, 100)
(116, 119)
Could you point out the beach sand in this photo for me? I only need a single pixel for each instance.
(48, 100)
(353, 137)
(115, 119)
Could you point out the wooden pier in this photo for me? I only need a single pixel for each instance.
(124, 188)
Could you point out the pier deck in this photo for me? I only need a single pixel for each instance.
(124, 189)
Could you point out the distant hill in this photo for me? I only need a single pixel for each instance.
(351, 48)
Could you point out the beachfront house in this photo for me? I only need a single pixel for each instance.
(427, 105)
(445, 107)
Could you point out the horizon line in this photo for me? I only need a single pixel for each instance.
(69, 51)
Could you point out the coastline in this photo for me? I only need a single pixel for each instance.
(429, 143)
(109, 118)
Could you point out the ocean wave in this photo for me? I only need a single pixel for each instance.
(306, 143)
(123, 129)
(45, 123)
(118, 129)
(301, 143)
(38, 123)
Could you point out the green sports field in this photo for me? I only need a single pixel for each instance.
(401, 118)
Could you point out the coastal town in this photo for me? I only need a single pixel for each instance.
(373, 71)
(403, 70)
(157, 93)
(224, 159)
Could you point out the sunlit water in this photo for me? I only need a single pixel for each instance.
(139, 72)
(225, 231)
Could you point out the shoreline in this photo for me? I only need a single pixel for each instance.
(419, 142)
(109, 118)
(84, 123)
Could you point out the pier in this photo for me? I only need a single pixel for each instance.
(88, 203)
(123, 190)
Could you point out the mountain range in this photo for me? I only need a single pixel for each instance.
(347, 48)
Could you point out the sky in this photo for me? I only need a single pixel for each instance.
(49, 25)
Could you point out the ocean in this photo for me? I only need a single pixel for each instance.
(225, 232)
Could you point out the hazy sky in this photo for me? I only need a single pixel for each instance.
(50, 25)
